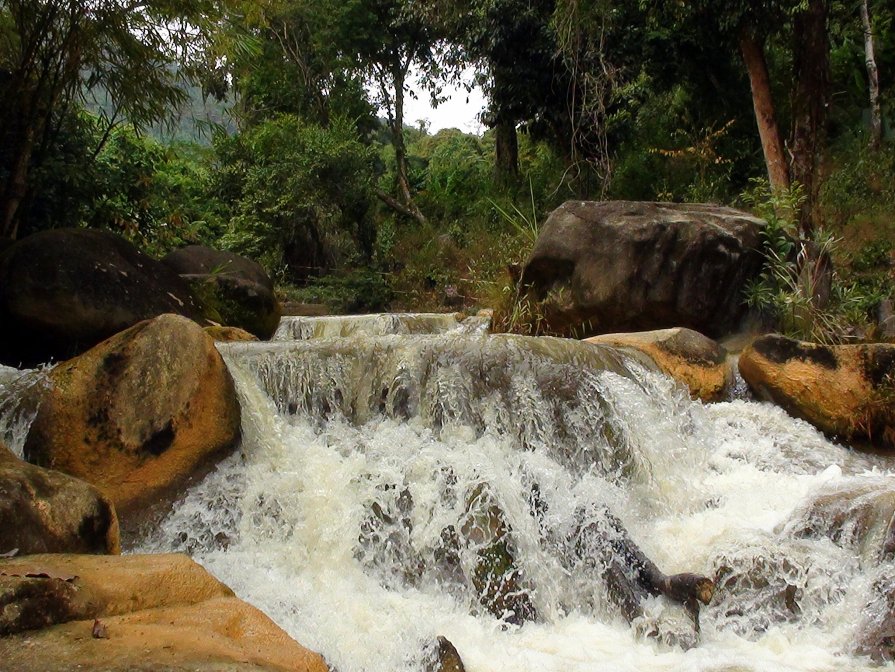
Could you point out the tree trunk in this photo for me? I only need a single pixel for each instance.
(765, 114)
(397, 120)
(811, 62)
(16, 183)
(876, 117)
(506, 152)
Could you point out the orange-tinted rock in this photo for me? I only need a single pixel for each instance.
(229, 334)
(136, 613)
(687, 356)
(846, 391)
(45, 511)
(139, 414)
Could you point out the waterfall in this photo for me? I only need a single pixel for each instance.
(379, 468)
(353, 512)
(19, 400)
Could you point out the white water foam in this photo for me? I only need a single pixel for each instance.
(720, 490)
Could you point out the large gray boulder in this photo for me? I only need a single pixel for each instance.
(63, 291)
(236, 291)
(630, 266)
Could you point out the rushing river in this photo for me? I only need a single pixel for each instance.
(349, 512)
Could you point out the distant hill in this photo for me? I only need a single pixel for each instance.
(193, 122)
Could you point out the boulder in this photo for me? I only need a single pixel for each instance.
(617, 266)
(846, 391)
(236, 291)
(686, 355)
(134, 612)
(139, 414)
(44, 511)
(63, 291)
(444, 657)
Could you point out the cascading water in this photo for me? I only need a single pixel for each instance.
(19, 396)
(378, 474)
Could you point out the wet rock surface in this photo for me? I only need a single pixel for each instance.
(687, 356)
(45, 511)
(140, 414)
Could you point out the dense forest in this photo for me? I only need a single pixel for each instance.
(306, 162)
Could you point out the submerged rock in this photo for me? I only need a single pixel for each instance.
(139, 414)
(63, 291)
(45, 511)
(628, 266)
(235, 290)
(859, 515)
(444, 657)
(846, 391)
(496, 576)
(157, 612)
(686, 355)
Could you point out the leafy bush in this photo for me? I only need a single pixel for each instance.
(157, 196)
(798, 288)
(299, 193)
(357, 291)
(860, 182)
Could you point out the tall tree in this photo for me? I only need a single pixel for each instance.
(752, 50)
(389, 39)
(876, 116)
(811, 101)
(54, 53)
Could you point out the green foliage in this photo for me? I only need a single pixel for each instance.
(861, 182)
(673, 153)
(363, 290)
(299, 194)
(54, 53)
(798, 287)
(156, 196)
(457, 175)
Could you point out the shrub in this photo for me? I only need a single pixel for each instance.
(299, 193)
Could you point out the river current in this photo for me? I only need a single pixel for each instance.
(352, 511)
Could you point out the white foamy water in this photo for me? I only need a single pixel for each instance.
(381, 324)
(349, 514)
(19, 400)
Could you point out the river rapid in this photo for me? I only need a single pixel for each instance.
(348, 514)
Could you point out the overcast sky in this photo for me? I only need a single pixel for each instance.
(461, 110)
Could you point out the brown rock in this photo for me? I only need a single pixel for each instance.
(233, 289)
(63, 291)
(155, 612)
(229, 334)
(139, 414)
(45, 511)
(619, 266)
(445, 657)
(686, 355)
(846, 391)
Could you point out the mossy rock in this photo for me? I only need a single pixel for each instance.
(234, 291)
